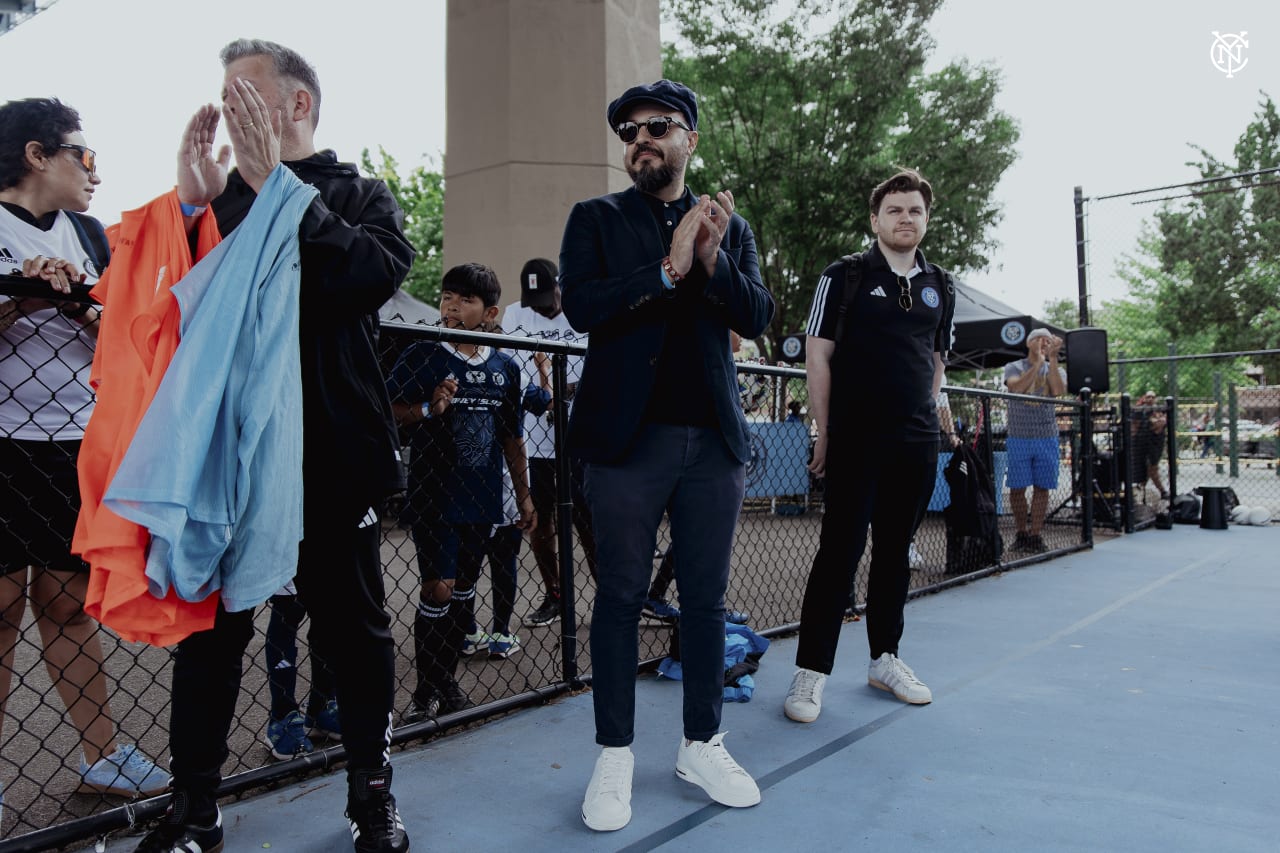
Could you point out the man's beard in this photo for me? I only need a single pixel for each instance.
(657, 174)
(652, 178)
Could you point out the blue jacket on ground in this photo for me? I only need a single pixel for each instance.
(739, 642)
(215, 468)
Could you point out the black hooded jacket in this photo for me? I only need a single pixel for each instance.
(354, 257)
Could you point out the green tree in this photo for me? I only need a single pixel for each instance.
(1209, 262)
(802, 121)
(421, 197)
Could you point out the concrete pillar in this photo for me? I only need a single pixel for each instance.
(528, 82)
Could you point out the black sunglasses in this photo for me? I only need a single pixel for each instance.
(88, 157)
(904, 298)
(657, 127)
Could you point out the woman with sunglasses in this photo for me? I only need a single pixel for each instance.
(47, 179)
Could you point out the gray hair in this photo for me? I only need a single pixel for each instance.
(289, 64)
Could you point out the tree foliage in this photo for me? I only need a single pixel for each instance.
(801, 120)
(1210, 262)
(421, 197)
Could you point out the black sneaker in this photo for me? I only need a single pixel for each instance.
(453, 699)
(174, 835)
(423, 708)
(1021, 541)
(546, 613)
(1035, 544)
(375, 821)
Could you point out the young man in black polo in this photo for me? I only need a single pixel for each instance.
(874, 368)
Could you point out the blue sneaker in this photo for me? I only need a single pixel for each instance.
(737, 617)
(503, 646)
(476, 641)
(288, 737)
(658, 612)
(326, 725)
(125, 772)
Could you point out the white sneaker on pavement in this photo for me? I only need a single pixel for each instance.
(607, 805)
(888, 672)
(804, 700)
(709, 765)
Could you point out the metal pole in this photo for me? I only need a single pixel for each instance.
(1233, 426)
(1122, 375)
(1171, 439)
(1086, 469)
(564, 519)
(1082, 275)
(1126, 434)
(1217, 421)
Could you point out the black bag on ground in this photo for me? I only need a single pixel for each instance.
(973, 531)
(1185, 509)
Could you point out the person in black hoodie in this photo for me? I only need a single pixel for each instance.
(354, 257)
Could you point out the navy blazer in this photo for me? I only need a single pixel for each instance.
(611, 285)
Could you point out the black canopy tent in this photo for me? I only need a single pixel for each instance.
(989, 333)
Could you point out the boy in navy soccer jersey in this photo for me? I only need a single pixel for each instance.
(459, 404)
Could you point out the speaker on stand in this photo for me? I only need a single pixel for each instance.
(1086, 353)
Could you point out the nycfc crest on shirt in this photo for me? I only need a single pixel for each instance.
(930, 297)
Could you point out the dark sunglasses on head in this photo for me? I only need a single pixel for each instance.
(904, 296)
(88, 157)
(657, 127)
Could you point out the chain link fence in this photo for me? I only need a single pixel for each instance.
(124, 688)
(1180, 277)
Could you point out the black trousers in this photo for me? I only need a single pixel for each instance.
(339, 582)
(884, 486)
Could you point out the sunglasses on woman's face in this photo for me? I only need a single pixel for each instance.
(88, 157)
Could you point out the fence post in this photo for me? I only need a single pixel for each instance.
(1082, 276)
(1217, 421)
(1086, 463)
(564, 519)
(1171, 439)
(1233, 440)
(1173, 371)
(1126, 505)
(1122, 375)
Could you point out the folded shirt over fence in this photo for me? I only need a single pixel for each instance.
(150, 251)
(215, 467)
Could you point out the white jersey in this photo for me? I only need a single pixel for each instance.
(539, 433)
(44, 356)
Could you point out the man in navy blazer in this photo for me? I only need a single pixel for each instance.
(659, 277)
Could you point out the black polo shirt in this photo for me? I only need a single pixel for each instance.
(681, 390)
(882, 372)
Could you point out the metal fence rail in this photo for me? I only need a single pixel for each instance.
(777, 536)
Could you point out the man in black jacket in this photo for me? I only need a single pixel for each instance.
(659, 277)
(354, 257)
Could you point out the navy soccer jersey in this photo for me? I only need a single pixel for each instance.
(456, 460)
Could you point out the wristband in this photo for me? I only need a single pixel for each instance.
(426, 411)
(77, 312)
(666, 280)
(191, 209)
(670, 270)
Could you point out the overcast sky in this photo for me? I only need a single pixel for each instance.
(1108, 94)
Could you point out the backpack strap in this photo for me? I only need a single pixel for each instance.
(93, 237)
(852, 278)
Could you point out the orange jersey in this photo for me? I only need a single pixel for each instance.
(136, 341)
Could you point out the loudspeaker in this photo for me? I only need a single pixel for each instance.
(1087, 360)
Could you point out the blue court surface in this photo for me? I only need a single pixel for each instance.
(1123, 699)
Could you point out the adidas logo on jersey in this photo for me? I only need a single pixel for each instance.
(879, 291)
(6, 257)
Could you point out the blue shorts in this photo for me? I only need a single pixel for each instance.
(1033, 462)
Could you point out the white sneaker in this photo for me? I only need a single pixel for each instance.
(804, 701)
(709, 765)
(607, 805)
(915, 559)
(888, 672)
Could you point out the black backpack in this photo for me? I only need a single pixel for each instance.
(973, 530)
(853, 277)
(94, 239)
